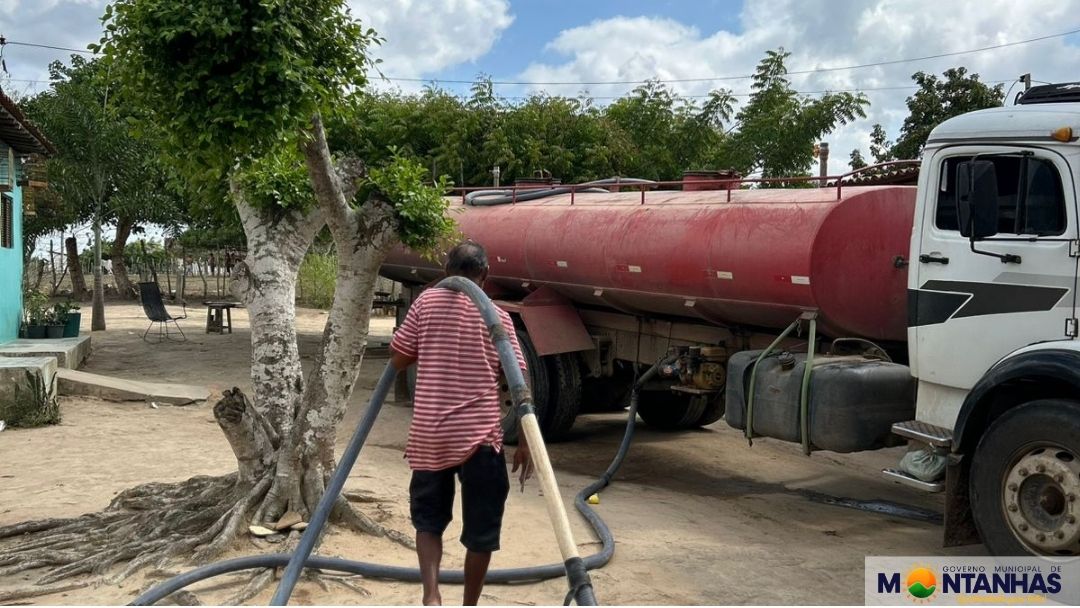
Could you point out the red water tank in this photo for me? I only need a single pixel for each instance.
(757, 260)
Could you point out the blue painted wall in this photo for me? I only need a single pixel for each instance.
(11, 269)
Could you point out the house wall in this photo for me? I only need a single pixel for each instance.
(11, 270)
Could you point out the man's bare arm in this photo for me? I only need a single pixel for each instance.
(400, 361)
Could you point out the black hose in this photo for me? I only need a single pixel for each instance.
(485, 198)
(584, 595)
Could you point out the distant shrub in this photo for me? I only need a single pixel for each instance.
(318, 277)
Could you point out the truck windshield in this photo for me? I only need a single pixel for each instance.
(1030, 197)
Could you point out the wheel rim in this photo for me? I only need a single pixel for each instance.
(1039, 500)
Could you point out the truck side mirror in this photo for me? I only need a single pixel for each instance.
(977, 199)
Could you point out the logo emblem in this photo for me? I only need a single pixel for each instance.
(921, 583)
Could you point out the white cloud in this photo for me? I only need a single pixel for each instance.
(425, 36)
(63, 23)
(821, 33)
(422, 36)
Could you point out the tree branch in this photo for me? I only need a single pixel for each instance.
(324, 179)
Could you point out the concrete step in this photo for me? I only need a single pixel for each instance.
(73, 382)
(13, 374)
(68, 352)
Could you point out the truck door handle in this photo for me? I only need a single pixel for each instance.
(933, 259)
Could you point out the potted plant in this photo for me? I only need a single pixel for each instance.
(35, 313)
(55, 320)
(72, 317)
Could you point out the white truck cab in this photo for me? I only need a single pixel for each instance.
(992, 334)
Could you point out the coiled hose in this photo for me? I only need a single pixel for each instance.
(582, 593)
(485, 198)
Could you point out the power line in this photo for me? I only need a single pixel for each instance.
(46, 46)
(665, 80)
(748, 76)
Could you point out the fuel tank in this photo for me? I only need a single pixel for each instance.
(756, 260)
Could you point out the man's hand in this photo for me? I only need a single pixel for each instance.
(523, 461)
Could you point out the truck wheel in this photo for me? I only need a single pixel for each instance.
(565, 395)
(670, 411)
(714, 410)
(608, 393)
(538, 381)
(1025, 478)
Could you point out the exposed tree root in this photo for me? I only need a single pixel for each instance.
(147, 525)
(154, 525)
(362, 497)
(184, 597)
(27, 592)
(259, 581)
(150, 526)
(350, 586)
(357, 521)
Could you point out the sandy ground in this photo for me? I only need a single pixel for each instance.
(699, 517)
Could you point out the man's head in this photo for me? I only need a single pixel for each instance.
(468, 260)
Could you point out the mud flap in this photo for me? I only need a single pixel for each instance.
(554, 324)
(959, 522)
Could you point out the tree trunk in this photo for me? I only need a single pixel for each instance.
(78, 279)
(283, 439)
(276, 245)
(97, 322)
(119, 268)
(362, 237)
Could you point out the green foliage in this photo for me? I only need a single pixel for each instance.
(231, 79)
(857, 161)
(32, 404)
(669, 134)
(209, 235)
(778, 128)
(421, 208)
(61, 311)
(880, 146)
(102, 168)
(651, 132)
(317, 280)
(35, 307)
(277, 180)
(938, 100)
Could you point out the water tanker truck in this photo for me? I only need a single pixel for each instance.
(844, 317)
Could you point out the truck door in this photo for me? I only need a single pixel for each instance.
(973, 303)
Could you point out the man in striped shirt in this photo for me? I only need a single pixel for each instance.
(456, 425)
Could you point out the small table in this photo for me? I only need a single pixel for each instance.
(214, 316)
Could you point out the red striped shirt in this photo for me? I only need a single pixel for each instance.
(456, 401)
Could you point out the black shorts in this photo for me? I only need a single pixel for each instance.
(484, 488)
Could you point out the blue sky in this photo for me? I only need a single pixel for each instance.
(606, 40)
(538, 22)
(609, 40)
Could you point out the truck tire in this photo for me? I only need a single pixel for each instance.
(1024, 477)
(670, 411)
(607, 394)
(565, 395)
(713, 411)
(538, 380)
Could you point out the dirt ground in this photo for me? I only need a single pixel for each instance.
(699, 517)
